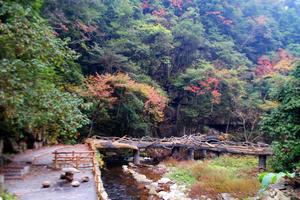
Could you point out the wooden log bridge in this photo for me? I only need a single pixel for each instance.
(192, 143)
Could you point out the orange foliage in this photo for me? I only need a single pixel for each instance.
(261, 20)
(177, 3)
(99, 86)
(63, 27)
(283, 63)
(209, 86)
(159, 13)
(104, 88)
(219, 15)
(85, 28)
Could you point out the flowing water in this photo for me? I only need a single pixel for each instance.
(121, 186)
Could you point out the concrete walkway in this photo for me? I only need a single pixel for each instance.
(30, 187)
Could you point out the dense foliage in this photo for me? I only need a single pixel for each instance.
(36, 70)
(283, 123)
(149, 67)
(209, 57)
(125, 106)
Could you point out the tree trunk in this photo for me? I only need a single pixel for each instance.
(178, 117)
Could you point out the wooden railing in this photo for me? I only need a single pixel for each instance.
(77, 159)
(102, 195)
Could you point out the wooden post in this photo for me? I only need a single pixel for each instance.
(191, 154)
(136, 157)
(55, 160)
(77, 162)
(203, 153)
(262, 162)
(175, 152)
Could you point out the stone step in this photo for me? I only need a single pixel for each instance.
(14, 171)
(10, 170)
(13, 177)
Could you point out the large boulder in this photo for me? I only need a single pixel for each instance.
(69, 173)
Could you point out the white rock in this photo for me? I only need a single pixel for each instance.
(182, 187)
(46, 184)
(125, 168)
(173, 187)
(85, 179)
(75, 183)
(164, 180)
(70, 170)
(154, 184)
(162, 194)
(152, 191)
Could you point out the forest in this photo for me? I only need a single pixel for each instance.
(71, 69)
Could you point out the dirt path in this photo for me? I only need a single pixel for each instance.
(30, 187)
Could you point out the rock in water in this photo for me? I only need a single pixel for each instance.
(152, 191)
(164, 180)
(46, 184)
(75, 183)
(125, 168)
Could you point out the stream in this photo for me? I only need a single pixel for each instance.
(119, 185)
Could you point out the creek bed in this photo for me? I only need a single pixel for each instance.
(119, 185)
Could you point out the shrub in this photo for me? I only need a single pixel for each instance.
(283, 124)
(7, 196)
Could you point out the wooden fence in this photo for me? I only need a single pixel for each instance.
(77, 159)
(85, 160)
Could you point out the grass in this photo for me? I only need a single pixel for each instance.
(182, 176)
(226, 174)
(7, 196)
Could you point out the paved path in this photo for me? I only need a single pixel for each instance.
(30, 187)
(43, 156)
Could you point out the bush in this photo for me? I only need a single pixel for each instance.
(283, 124)
(7, 196)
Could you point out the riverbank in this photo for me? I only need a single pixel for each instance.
(232, 175)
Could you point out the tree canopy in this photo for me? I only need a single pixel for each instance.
(74, 68)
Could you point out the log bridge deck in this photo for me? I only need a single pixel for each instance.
(192, 143)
